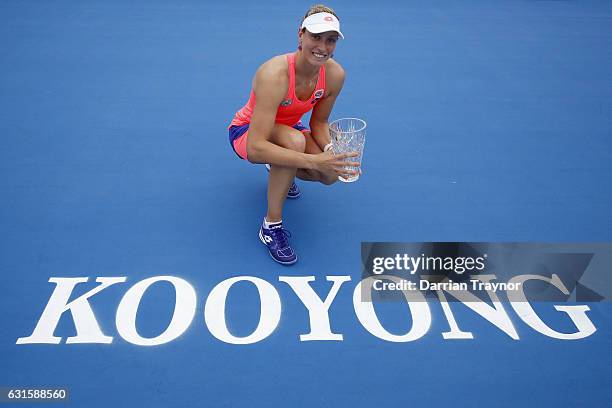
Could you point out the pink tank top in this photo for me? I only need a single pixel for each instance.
(291, 109)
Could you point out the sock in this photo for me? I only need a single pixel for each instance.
(267, 224)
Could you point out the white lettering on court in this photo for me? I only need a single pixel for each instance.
(269, 314)
(421, 315)
(318, 311)
(576, 313)
(184, 311)
(87, 328)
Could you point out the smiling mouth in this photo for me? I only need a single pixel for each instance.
(320, 56)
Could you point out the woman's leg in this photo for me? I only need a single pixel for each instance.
(280, 178)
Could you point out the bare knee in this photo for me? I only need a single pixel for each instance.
(295, 142)
(328, 179)
(313, 175)
(289, 138)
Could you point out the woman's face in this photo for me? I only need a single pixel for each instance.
(318, 48)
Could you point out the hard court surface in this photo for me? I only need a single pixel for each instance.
(487, 121)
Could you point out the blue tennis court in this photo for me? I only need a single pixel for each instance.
(487, 122)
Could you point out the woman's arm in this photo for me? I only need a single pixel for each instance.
(319, 125)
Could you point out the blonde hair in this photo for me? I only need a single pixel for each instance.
(319, 8)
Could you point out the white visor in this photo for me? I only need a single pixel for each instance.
(322, 22)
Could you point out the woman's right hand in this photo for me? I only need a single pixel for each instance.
(330, 163)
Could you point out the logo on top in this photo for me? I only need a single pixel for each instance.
(328, 18)
(317, 95)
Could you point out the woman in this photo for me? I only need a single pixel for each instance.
(268, 128)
